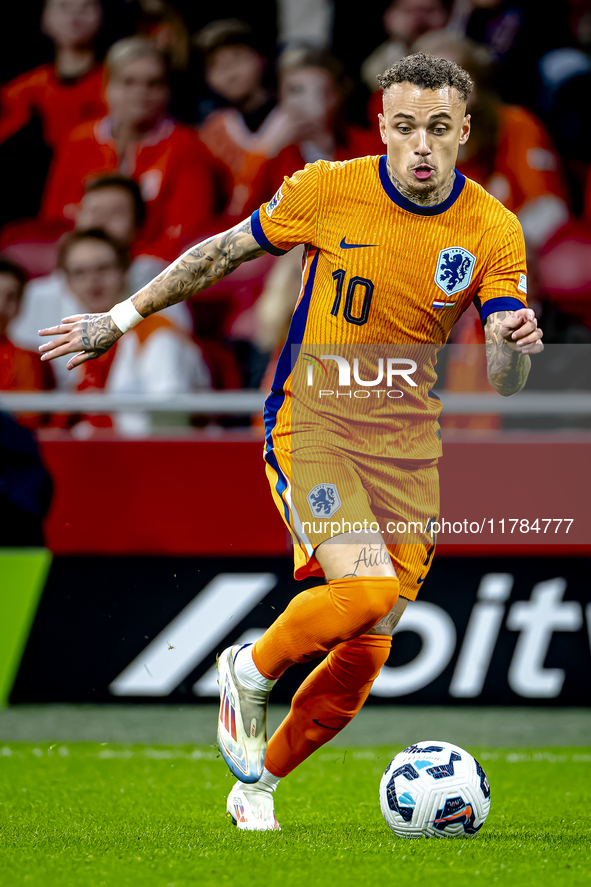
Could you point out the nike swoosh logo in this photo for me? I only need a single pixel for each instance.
(344, 245)
(421, 579)
(316, 721)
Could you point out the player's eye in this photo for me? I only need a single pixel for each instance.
(404, 129)
(440, 130)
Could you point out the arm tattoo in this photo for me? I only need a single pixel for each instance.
(98, 333)
(200, 267)
(507, 369)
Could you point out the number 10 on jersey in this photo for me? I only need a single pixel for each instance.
(367, 293)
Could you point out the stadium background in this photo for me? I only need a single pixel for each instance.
(137, 533)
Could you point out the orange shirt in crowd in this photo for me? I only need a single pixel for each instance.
(61, 104)
(239, 153)
(170, 165)
(526, 164)
(24, 371)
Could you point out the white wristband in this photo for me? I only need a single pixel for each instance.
(125, 315)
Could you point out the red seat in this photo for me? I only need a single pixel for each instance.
(565, 270)
(32, 244)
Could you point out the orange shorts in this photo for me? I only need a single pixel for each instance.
(322, 491)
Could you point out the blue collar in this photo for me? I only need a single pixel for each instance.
(404, 203)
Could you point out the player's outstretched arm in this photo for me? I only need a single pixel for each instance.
(89, 335)
(511, 336)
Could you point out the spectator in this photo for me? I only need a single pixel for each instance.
(20, 370)
(566, 81)
(241, 127)
(313, 89)
(509, 151)
(155, 358)
(25, 486)
(517, 35)
(68, 91)
(309, 22)
(114, 204)
(161, 22)
(404, 22)
(139, 140)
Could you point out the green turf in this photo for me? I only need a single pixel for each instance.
(86, 814)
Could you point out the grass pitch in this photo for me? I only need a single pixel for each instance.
(89, 814)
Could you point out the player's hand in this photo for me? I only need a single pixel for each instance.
(85, 335)
(520, 330)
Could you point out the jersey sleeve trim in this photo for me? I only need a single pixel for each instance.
(501, 303)
(261, 238)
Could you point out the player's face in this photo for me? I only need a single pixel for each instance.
(94, 275)
(423, 130)
(111, 209)
(137, 93)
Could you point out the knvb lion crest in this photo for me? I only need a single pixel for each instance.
(324, 500)
(455, 266)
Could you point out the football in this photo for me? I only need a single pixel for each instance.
(434, 789)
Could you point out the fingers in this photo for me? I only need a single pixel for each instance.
(532, 344)
(526, 329)
(523, 315)
(49, 346)
(63, 343)
(80, 358)
(54, 330)
(59, 347)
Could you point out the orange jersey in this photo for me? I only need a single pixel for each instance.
(170, 165)
(61, 104)
(384, 281)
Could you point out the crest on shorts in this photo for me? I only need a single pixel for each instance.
(274, 202)
(324, 500)
(455, 266)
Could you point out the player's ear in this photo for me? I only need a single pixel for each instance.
(465, 131)
(382, 122)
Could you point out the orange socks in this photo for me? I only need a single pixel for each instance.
(327, 700)
(317, 620)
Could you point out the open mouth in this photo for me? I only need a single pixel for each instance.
(423, 172)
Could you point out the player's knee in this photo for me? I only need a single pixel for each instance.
(382, 594)
(372, 596)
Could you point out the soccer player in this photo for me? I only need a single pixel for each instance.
(396, 247)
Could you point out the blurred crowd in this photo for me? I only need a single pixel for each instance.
(130, 129)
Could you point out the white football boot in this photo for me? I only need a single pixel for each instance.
(242, 722)
(252, 809)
